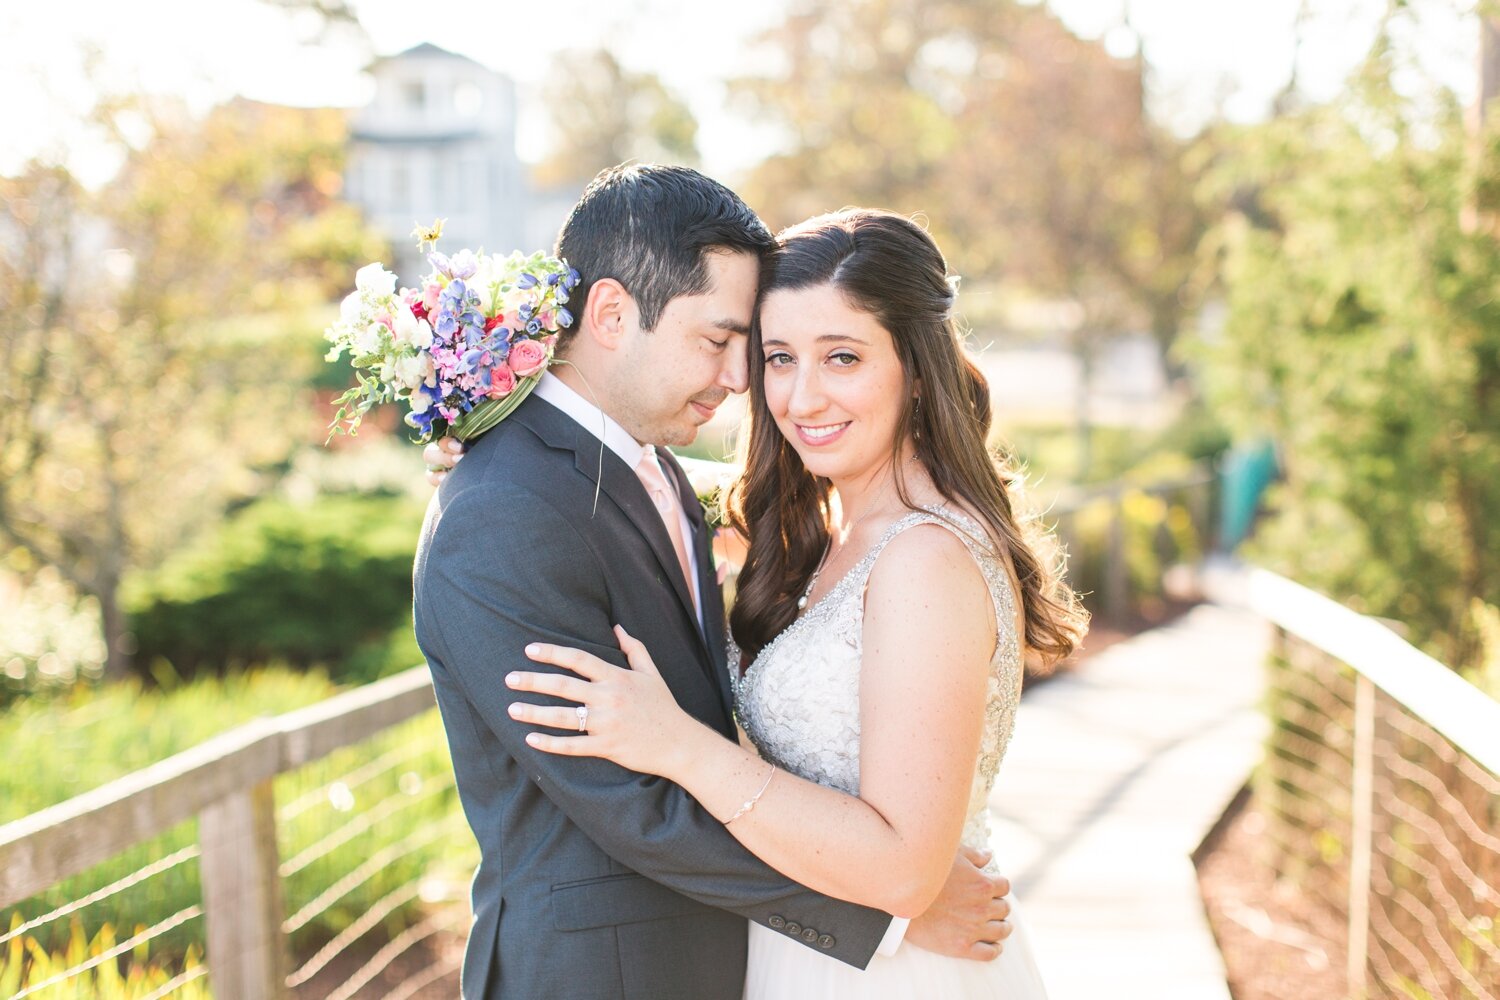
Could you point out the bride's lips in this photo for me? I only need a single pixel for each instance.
(821, 434)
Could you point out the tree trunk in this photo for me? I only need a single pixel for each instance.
(1476, 217)
(115, 628)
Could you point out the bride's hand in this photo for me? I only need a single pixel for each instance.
(441, 456)
(629, 715)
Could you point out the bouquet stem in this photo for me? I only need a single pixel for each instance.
(489, 413)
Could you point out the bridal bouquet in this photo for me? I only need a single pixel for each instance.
(463, 350)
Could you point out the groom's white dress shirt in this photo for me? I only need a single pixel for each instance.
(618, 440)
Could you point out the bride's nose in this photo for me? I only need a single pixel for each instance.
(807, 397)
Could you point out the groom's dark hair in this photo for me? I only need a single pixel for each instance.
(648, 226)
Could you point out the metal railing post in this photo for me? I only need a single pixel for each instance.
(1362, 806)
(1116, 584)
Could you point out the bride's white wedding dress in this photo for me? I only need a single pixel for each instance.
(799, 703)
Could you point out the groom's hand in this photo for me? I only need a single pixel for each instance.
(442, 455)
(969, 919)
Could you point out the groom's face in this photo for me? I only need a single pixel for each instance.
(673, 378)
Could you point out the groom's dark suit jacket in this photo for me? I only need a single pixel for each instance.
(594, 881)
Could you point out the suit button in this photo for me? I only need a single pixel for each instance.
(777, 922)
(793, 928)
(809, 934)
(826, 941)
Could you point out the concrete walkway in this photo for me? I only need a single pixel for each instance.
(1116, 774)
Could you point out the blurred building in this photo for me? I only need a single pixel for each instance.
(439, 141)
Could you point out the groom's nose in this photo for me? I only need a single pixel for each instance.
(734, 375)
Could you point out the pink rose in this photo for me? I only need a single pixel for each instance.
(527, 357)
(430, 293)
(502, 381)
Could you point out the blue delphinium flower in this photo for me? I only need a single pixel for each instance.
(564, 318)
(526, 280)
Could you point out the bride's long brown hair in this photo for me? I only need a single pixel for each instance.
(889, 267)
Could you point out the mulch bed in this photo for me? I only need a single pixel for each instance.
(1277, 943)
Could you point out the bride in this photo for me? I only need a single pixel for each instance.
(887, 601)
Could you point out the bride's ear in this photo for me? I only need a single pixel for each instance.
(608, 314)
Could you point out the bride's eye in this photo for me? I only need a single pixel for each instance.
(843, 359)
(778, 359)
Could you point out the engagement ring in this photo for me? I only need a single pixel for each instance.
(583, 718)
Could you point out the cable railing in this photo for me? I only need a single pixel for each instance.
(335, 893)
(1381, 788)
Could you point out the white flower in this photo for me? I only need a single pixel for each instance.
(486, 274)
(420, 402)
(413, 370)
(368, 339)
(351, 310)
(410, 331)
(375, 280)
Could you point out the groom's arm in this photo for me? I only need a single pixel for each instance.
(505, 570)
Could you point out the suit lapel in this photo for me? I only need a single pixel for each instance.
(618, 484)
(709, 590)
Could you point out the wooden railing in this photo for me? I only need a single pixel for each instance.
(1381, 789)
(226, 783)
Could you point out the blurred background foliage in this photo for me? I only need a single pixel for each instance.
(180, 552)
(1322, 281)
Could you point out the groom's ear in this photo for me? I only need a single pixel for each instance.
(608, 313)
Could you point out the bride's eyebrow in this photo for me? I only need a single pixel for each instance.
(822, 339)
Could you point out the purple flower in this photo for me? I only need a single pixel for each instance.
(464, 264)
(573, 278)
(564, 318)
(526, 280)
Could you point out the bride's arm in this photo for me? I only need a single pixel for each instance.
(928, 636)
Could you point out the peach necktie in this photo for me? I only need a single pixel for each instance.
(650, 474)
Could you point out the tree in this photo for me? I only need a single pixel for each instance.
(606, 115)
(1363, 334)
(135, 400)
(1027, 148)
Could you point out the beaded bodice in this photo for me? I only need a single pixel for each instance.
(799, 700)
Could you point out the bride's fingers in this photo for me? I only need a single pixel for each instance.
(998, 930)
(545, 715)
(581, 663)
(565, 746)
(635, 651)
(560, 685)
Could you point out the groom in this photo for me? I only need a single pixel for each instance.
(564, 521)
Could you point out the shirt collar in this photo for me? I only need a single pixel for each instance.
(592, 419)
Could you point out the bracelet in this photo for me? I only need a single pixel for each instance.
(750, 802)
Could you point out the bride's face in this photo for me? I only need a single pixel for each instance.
(833, 381)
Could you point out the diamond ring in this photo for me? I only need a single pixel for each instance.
(583, 718)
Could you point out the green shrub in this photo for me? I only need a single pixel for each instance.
(303, 584)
